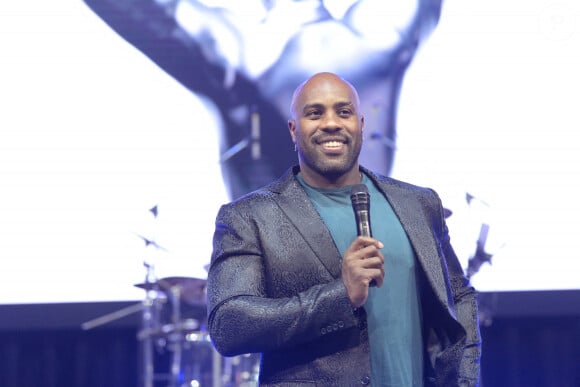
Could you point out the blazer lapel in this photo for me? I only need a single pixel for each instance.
(297, 206)
(417, 226)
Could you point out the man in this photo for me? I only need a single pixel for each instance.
(289, 277)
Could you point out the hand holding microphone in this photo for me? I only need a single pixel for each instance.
(363, 262)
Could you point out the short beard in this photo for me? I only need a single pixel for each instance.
(331, 171)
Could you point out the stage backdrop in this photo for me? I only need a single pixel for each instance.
(111, 166)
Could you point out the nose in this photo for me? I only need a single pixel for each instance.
(330, 122)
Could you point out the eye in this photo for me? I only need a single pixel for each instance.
(315, 113)
(345, 113)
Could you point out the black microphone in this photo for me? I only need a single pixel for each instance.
(361, 204)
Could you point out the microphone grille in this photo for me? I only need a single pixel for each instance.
(359, 195)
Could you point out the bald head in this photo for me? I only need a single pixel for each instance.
(318, 81)
(327, 130)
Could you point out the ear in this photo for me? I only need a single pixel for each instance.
(362, 124)
(292, 129)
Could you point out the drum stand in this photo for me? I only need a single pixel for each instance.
(176, 335)
(171, 336)
(150, 316)
(192, 356)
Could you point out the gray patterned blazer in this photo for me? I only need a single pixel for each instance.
(274, 287)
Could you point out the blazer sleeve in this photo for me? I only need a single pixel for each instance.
(242, 316)
(465, 301)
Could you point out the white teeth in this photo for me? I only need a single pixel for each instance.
(332, 144)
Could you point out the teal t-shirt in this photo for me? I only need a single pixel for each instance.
(393, 310)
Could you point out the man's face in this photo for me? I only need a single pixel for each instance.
(327, 129)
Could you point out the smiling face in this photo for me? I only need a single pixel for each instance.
(327, 128)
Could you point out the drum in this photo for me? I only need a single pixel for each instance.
(241, 371)
(177, 349)
(203, 366)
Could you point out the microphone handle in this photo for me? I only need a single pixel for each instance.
(363, 224)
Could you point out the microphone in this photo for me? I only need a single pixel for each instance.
(361, 205)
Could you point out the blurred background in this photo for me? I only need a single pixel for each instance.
(125, 124)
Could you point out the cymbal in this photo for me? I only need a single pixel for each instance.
(171, 331)
(190, 290)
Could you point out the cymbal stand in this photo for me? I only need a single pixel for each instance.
(110, 317)
(149, 309)
(178, 336)
(149, 322)
(151, 315)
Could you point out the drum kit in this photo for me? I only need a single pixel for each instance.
(175, 346)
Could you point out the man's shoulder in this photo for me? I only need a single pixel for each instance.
(386, 181)
(267, 192)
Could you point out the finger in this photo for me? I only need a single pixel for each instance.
(376, 269)
(377, 277)
(371, 250)
(362, 242)
(381, 277)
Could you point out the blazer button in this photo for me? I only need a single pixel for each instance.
(323, 331)
(365, 380)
